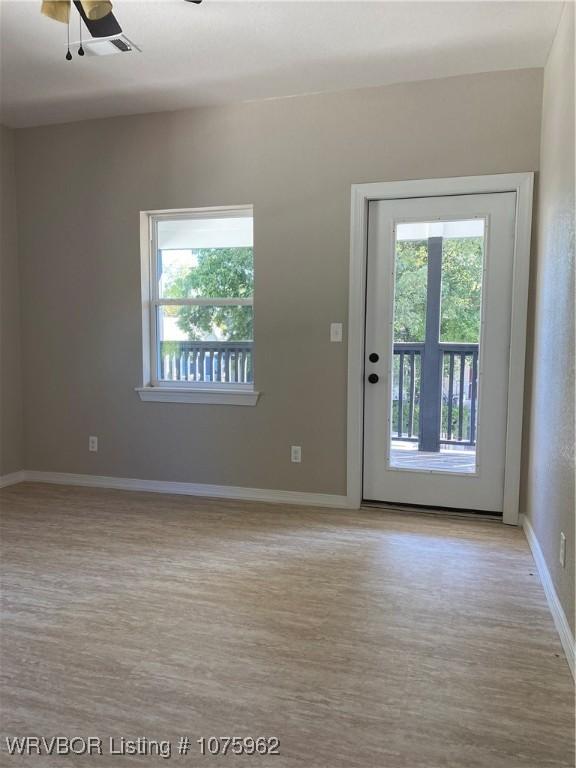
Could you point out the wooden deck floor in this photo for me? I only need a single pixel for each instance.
(405, 455)
(361, 639)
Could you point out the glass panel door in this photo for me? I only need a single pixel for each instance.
(436, 366)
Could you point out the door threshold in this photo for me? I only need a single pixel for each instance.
(468, 514)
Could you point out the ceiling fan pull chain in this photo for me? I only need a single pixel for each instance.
(80, 49)
(68, 54)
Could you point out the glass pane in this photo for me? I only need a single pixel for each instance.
(207, 258)
(462, 265)
(437, 304)
(410, 288)
(205, 344)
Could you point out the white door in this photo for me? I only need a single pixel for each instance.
(438, 312)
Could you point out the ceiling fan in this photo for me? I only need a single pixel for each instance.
(98, 18)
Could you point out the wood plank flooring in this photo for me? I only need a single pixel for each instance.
(363, 639)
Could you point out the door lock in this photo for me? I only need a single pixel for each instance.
(373, 357)
(373, 378)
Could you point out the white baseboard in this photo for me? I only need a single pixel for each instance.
(192, 489)
(560, 620)
(12, 478)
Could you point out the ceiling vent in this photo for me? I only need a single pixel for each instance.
(108, 46)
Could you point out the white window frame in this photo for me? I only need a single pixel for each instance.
(153, 389)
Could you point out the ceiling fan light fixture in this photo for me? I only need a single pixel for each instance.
(108, 46)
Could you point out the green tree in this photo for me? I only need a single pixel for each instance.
(410, 291)
(223, 273)
(461, 290)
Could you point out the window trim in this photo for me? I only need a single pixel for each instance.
(153, 389)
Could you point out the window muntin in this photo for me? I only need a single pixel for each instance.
(202, 287)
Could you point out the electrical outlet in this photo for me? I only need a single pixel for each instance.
(93, 443)
(295, 454)
(562, 557)
(336, 332)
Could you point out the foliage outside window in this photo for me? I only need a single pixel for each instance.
(462, 260)
(460, 316)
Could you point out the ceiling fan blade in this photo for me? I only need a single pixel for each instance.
(104, 27)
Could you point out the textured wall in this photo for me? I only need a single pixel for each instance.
(549, 476)
(10, 359)
(81, 187)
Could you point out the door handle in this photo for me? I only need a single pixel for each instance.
(373, 378)
(373, 357)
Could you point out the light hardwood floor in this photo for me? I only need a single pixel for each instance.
(364, 639)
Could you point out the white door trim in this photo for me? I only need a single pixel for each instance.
(522, 185)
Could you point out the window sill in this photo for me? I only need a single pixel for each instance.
(205, 396)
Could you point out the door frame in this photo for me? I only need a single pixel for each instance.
(362, 194)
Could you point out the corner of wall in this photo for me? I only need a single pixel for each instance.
(549, 447)
(11, 405)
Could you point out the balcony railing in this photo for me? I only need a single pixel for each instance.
(456, 389)
(207, 361)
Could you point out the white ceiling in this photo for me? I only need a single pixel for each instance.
(235, 51)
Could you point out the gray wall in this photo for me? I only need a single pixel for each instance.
(549, 476)
(81, 187)
(10, 358)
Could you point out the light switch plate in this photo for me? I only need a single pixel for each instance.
(336, 332)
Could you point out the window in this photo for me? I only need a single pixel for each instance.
(198, 290)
